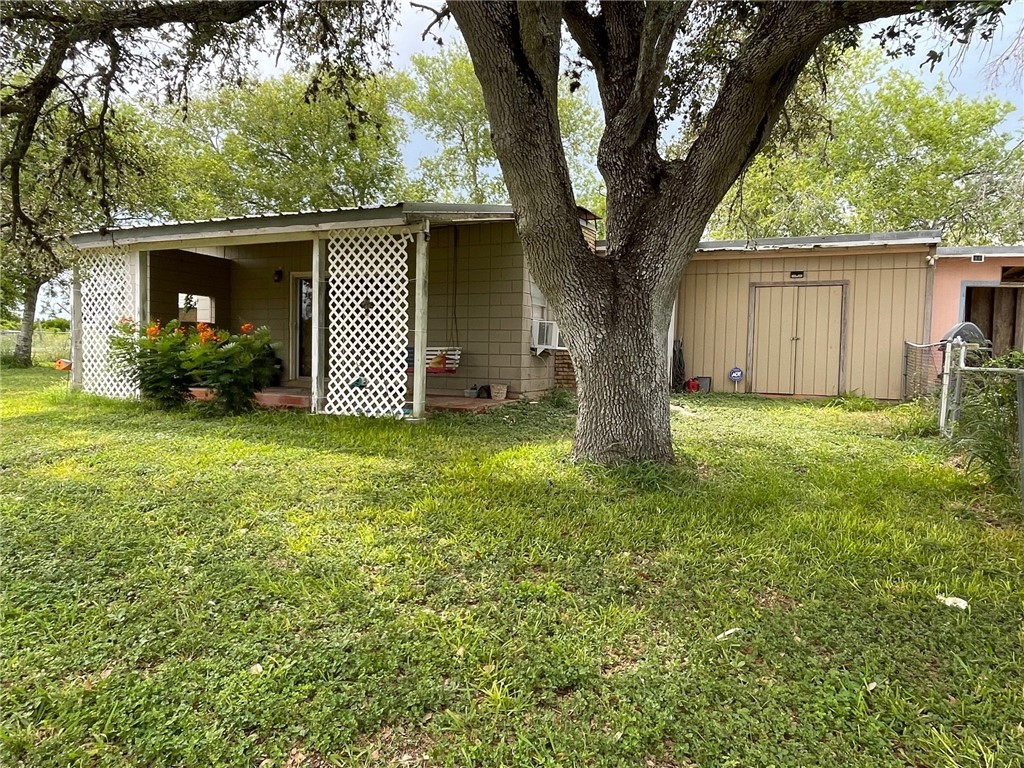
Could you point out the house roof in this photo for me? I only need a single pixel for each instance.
(963, 252)
(286, 226)
(297, 225)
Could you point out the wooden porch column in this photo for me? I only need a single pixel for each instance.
(419, 368)
(319, 325)
(141, 277)
(76, 328)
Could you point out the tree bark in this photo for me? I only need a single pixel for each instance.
(23, 344)
(619, 353)
(614, 308)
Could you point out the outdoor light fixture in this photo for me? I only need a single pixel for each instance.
(278, 275)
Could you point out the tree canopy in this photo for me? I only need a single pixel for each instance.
(263, 147)
(889, 154)
(446, 104)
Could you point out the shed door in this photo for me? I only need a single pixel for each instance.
(797, 339)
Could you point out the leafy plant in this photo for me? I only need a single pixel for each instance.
(235, 366)
(166, 361)
(153, 357)
(987, 429)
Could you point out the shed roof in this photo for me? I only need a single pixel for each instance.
(912, 237)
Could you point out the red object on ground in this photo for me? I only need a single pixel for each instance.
(692, 385)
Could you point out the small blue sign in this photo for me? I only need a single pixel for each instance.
(736, 374)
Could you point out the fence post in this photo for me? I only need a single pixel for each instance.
(1020, 432)
(944, 400)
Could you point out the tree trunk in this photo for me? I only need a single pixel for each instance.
(23, 344)
(619, 354)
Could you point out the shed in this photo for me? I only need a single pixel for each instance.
(808, 316)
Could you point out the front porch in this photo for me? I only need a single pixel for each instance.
(358, 303)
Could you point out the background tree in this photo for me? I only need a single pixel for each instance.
(62, 198)
(446, 104)
(66, 61)
(892, 155)
(265, 147)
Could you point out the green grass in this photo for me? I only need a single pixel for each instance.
(246, 591)
(47, 345)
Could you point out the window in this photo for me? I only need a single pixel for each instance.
(195, 309)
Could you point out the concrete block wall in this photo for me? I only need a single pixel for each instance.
(480, 300)
(256, 298)
(172, 272)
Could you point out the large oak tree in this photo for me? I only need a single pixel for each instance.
(725, 69)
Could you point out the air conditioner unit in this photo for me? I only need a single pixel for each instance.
(544, 336)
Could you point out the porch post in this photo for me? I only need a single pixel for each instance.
(142, 287)
(319, 325)
(76, 328)
(419, 369)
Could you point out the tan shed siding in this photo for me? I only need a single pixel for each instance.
(884, 307)
(174, 272)
(257, 299)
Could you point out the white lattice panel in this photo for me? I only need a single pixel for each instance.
(107, 294)
(367, 321)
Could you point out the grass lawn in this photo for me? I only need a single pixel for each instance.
(288, 590)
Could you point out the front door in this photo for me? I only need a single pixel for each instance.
(302, 325)
(797, 339)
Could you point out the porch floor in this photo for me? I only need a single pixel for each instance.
(299, 397)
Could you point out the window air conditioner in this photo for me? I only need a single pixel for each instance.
(544, 336)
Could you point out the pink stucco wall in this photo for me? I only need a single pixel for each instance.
(950, 276)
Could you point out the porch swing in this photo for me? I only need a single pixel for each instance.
(444, 360)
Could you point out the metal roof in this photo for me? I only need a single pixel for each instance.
(295, 223)
(954, 252)
(924, 236)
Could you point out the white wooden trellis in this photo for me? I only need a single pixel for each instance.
(106, 293)
(367, 340)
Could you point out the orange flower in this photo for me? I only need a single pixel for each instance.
(207, 334)
(200, 327)
(248, 328)
(153, 331)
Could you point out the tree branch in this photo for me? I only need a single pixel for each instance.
(661, 22)
(440, 14)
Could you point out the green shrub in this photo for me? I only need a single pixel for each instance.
(61, 324)
(166, 361)
(236, 367)
(987, 429)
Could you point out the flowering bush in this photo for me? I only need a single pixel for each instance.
(166, 361)
(153, 357)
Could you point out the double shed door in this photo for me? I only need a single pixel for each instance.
(797, 339)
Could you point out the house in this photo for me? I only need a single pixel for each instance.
(820, 316)
(375, 309)
(362, 301)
